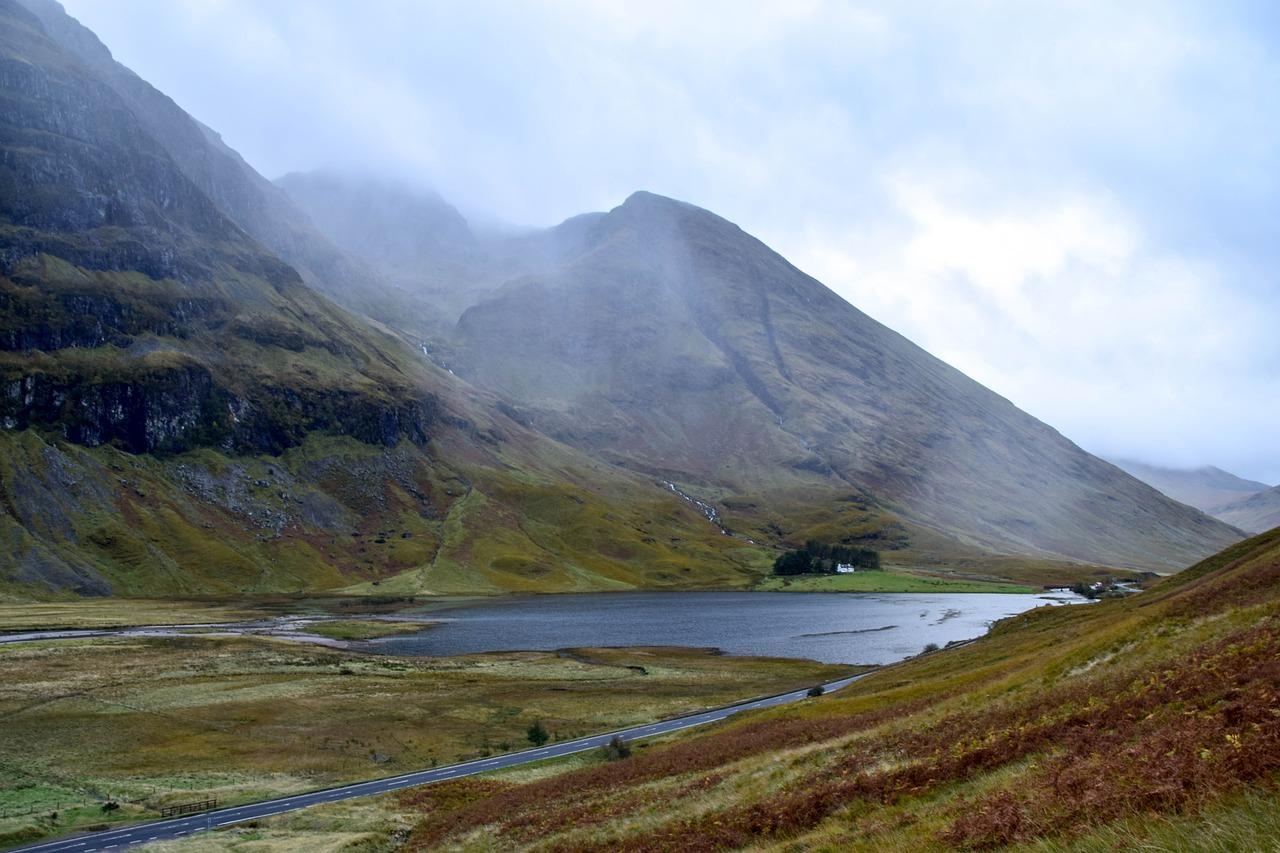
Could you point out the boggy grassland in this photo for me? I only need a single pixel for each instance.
(1146, 723)
(150, 722)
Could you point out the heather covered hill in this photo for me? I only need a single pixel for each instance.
(673, 342)
(1147, 720)
(182, 414)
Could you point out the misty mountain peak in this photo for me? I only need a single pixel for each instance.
(387, 223)
(645, 198)
(643, 203)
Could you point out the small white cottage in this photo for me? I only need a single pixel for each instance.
(845, 568)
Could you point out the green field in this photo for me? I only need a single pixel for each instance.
(884, 581)
(120, 613)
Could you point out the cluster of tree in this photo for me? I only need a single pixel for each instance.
(616, 749)
(1109, 588)
(819, 558)
(537, 734)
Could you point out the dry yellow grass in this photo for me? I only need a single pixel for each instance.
(117, 612)
(150, 722)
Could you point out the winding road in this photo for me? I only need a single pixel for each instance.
(128, 836)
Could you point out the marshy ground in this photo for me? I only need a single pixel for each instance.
(145, 722)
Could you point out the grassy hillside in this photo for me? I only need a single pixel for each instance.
(335, 513)
(1065, 728)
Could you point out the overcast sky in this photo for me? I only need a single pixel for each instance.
(1075, 203)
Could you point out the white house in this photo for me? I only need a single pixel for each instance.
(845, 568)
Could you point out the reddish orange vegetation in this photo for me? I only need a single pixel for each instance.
(1159, 742)
(450, 795)
(1167, 744)
(558, 802)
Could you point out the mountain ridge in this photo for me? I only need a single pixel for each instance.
(1257, 513)
(1206, 488)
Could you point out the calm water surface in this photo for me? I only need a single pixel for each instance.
(873, 628)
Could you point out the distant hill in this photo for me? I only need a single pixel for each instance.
(1256, 513)
(1208, 488)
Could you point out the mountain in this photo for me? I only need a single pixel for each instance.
(183, 414)
(1208, 488)
(1147, 723)
(1255, 513)
(261, 209)
(672, 342)
(660, 337)
(186, 411)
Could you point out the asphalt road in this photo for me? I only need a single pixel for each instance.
(113, 839)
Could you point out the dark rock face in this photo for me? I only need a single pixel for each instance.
(172, 409)
(230, 185)
(168, 409)
(282, 417)
(55, 113)
(36, 318)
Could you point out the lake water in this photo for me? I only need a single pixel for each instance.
(873, 628)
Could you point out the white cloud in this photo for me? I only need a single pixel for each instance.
(1065, 307)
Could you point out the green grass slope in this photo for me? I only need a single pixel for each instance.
(1084, 728)
(334, 513)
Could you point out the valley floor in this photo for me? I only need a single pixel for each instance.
(1148, 719)
(147, 722)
